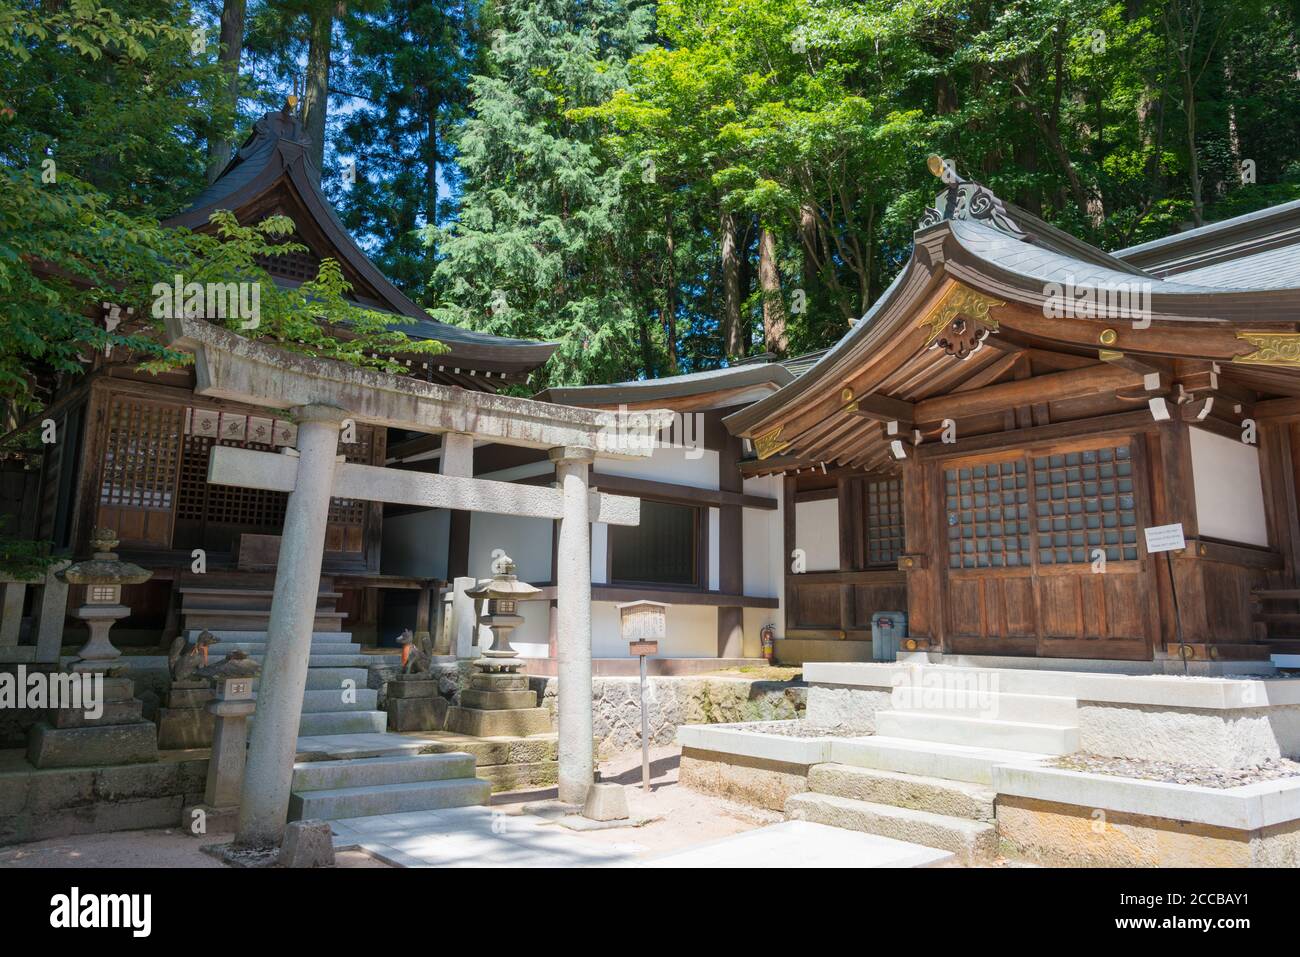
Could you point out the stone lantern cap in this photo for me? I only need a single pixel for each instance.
(504, 586)
(104, 568)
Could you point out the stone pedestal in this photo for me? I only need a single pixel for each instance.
(185, 721)
(496, 704)
(69, 737)
(414, 704)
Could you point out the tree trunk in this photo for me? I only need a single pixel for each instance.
(670, 293)
(731, 341)
(1193, 161)
(769, 278)
(232, 45)
(315, 95)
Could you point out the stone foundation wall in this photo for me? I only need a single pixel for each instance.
(675, 701)
(1067, 835)
(754, 781)
(850, 708)
(36, 805)
(1215, 738)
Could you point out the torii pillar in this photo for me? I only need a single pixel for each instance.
(573, 628)
(273, 743)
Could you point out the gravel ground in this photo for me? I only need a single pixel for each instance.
(1271, 770)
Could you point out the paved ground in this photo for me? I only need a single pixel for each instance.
(803, 844)
(686, 829)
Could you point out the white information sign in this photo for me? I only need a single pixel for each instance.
(1165, 538)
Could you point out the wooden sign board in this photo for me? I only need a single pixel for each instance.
(643, 647)
(1165, 538)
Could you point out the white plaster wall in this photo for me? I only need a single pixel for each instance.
(1229, 492)
(715, 548)
(526, 540)
(692, 632)
(532, 638)
(817, 532)
(762, 533)
(599, 553)
(416, 544)
(695, 467)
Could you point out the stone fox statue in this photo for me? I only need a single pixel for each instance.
(417, 655)
(184, 658)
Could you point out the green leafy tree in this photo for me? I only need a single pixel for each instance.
(539, 247)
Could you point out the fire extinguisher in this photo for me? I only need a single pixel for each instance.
(768, 637)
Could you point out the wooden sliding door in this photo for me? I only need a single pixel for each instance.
(1042, 553)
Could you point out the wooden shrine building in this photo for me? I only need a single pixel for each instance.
(994, 437)
(134, 454)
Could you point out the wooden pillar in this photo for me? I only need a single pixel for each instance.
(1175, 502)
(850, 529)
(923, 556)
(1277, 477)
(731, 551)
(788, 533)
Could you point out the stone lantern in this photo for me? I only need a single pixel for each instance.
(498, 700)
(502, 592)
(103, 574)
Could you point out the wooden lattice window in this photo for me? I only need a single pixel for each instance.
(200, 501)
(1084, 501)
(141, 454)
(884, 507)
(988, 515)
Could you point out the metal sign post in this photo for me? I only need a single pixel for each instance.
(1169, 539)
(641, 649)
(642, 624)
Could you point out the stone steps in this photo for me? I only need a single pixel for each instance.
(972, 842)
(951, 762)
(330, 679)
(369, 800)
(962, 799)
(324, 700)
(392, 769)
(341, 722)
(318, 636)
(258, 648)
(1030, 708)
(253, 618)
(955, 729)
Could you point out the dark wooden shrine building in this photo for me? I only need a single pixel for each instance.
(993, 438)
(134, 454)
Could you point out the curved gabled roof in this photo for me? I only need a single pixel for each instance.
(1025, 268)
(724, 382)
(275, 156)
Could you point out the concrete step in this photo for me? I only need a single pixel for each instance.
(1031, 708)
(393, 769)
(226, 634)
(257, 648)
(342, 722)
(344, 661)
(245, 592)
(330, 679)
(977, 732)
(951, 762)
(973, 842)
(252, 619)
(317, 701)
(368, 800)
(918, 792)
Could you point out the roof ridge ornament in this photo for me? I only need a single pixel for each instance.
(966, 199)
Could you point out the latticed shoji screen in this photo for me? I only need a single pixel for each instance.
(142, 453)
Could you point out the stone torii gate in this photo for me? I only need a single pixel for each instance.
(323, 395)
